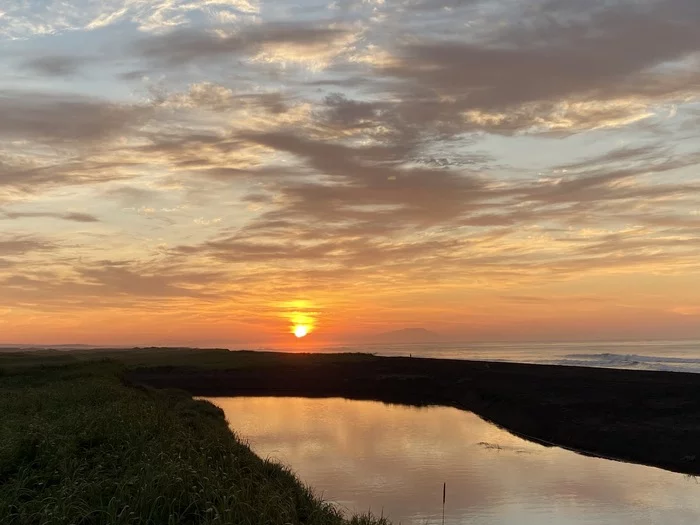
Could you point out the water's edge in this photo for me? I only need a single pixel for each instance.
(652, 418)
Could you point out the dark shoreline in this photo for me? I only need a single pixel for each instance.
(651, 418)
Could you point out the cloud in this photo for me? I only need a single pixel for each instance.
(110, 284)
(56, 65)
(268, 42)
(367, 211)
(51, 117)
(438, 5)
(643, 153)
(21, 245)
(26, 177)
(48, 17)
(572, 71)
(131, 196)
(423, 150)
(120, 279)
(370, 182)
(70, 216)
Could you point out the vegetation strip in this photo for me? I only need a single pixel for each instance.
(78, 446)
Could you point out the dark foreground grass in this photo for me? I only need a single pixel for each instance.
(208, 359)
(77, 446)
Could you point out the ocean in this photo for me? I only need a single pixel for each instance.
(673, 356)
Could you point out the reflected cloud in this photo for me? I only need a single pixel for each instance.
(394, 459)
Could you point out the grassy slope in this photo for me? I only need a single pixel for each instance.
(220, 359)
(79, 447)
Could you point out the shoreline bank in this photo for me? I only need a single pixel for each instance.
(80, 446)
(651, 418)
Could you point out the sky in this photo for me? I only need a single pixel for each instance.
(207, 172)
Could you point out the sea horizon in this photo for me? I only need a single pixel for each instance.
(681, 355)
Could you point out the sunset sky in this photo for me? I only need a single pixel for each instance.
(204, 172)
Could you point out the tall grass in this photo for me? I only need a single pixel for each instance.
(79, 447)
(221, 359)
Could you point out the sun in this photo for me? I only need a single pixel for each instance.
(301, 330)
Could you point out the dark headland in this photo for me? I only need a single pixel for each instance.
(652, 418)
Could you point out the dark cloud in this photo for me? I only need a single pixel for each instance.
(371, 183)
(524, 71)
(438, 5)
(75, 171)
(70, 216)
(119, 278)
(56, 65)
(544, 300)
(107, 283)
(364, 207)
(191, 45)
(64, 117)
(350, 114)
(329, 257)
(604, 183)
(132, 197)
(20, 245)
(360, 213)
(628, 243)
(371, 190)
(643, 153)
(79, 217)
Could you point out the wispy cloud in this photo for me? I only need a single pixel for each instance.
(56, 65)
(70, 216)
(269, 42)
(42, 17)
(380, 161)
(64, 117)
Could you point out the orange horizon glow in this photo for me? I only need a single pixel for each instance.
(510, 192)
(574, 317)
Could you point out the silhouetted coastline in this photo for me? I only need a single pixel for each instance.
(651, 418)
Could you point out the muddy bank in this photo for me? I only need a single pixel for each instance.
(651, 418)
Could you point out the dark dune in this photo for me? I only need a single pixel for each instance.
(651, 418)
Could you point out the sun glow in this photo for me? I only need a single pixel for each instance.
(301, 330)
(301, 316)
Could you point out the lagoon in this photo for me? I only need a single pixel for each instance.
(393, 460)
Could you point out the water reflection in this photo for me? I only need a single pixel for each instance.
(394, 459)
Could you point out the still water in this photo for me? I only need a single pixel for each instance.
(393, 460)
(673, 356)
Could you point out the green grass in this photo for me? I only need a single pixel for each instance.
(79, 447)
(180, 357)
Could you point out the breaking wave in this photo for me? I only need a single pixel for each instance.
(631, 362)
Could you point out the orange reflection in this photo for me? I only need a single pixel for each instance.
(395, 459)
